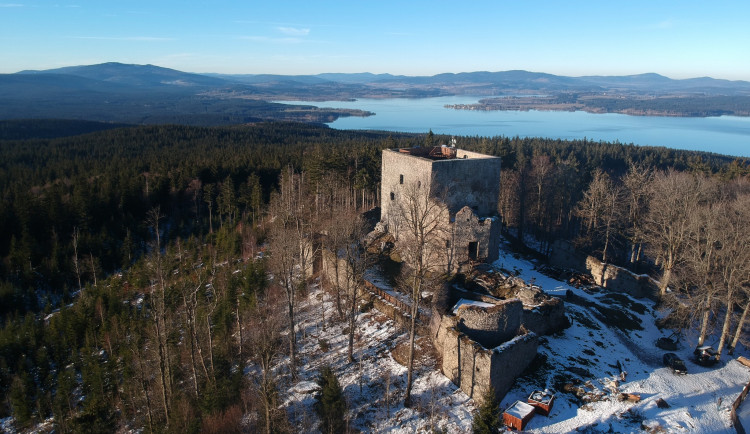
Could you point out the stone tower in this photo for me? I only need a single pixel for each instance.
(466, 183)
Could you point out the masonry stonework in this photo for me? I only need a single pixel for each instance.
(489, 340)
(491, 326)
(606, 275)
(474, 368)
(465, 184)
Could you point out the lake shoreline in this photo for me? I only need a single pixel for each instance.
(728, 135)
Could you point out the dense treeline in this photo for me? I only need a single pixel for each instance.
(128, 256)
(103, 185)
(691, 106)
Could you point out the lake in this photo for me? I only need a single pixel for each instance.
(728, 135)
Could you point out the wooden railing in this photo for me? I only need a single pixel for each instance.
(404, 307)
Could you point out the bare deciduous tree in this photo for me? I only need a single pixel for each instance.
(421, 232)
(675, 195)
(636, 183)
(357, 261)
(265, 325)
(291, 246)
(734, 269)
(600, 209)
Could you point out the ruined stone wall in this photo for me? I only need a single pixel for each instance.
(546, 318)
(491, 326)
(621, 280)
(474, 368)
(468, 228)
(439, 326)
(609, 276)
(329, 261)
(401, 318)
(507, 362)
(471, 180)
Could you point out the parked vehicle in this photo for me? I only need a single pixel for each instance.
(668, 344)
(675, 363)
(706, 356)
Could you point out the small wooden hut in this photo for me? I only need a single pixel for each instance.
(518, 415)
(542, 400)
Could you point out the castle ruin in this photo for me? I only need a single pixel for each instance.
(484, 324)
(467, 186)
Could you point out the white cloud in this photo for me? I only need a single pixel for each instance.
(294, 31)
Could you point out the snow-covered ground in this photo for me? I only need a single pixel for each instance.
(609, 334)
(438, 403)
(699, 401)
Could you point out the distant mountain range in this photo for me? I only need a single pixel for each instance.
(116, 92)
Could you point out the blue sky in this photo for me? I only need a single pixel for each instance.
(677, 39)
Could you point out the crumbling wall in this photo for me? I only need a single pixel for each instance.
(439, 329)
(329, 262)
(546, 318)
(473, 368)
(621, 280)
(472, 179)
(401, 318)
(491, 326)
(609, 276)
(507, 362)
(468, 228)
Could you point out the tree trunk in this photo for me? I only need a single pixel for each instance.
(665, 278)
(606, 244)
(352, 315)
(76, 233)
(727, 321)
(93, 267)
(144, 387)
(740, 326)
(267, 395)
(210, 344)
(704, 321)
(292, 332)
(412, 338)
(336, 284)
(239, 328)
(191, 332)
(410, 367)
(162, 371)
